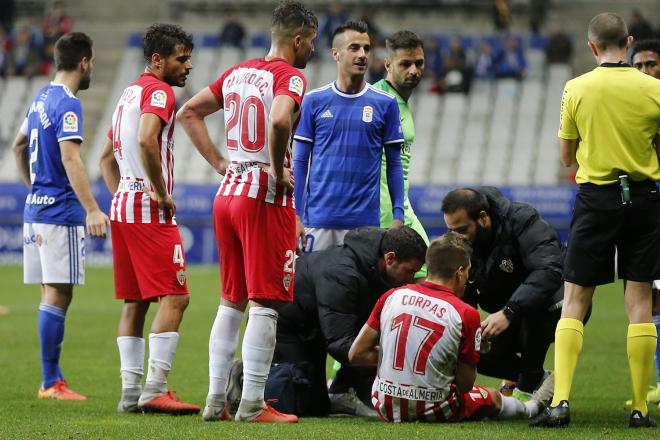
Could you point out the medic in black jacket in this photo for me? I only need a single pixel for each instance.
(516, 276)
(334, 293)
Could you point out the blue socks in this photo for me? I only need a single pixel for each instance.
(51, 335)
(656, 321)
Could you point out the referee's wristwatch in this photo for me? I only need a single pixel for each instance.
(510, 311)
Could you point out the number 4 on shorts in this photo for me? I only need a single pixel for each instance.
(178, 255)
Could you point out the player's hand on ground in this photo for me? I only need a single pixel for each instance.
(396, 224)
(285, 180)
(166, 202)
(493, 325)
(301, 237)
(97, 224)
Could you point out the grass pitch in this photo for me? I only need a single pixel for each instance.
(91, 364)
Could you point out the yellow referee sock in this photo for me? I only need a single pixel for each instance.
(642, 339)
(568, 345)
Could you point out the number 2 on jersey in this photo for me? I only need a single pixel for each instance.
(249, 118)
(401, 325)
(34, 154)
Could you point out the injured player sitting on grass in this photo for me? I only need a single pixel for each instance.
(426, 343)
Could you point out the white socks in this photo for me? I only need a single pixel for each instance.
(258, 349)
(513, 408)
(222, 347)
(162, 347)
(131, 356)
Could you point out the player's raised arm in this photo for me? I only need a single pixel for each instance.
(191, 117)
(109, 167)
(19, 147)
(97, 221)
(279, 133)
(364, 350)
(148, 139)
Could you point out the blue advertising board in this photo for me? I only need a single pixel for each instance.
(195, 209)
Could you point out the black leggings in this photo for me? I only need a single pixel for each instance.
(519, 352)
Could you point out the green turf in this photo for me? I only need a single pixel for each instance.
(90, 362)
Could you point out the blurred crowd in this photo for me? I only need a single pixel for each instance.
(26, 48)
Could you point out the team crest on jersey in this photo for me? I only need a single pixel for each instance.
(296, 85)
(367, 113)
(506, 265)
(477, 340)
(286, 280)
(159, 99)
(181, 277)
(70, 122)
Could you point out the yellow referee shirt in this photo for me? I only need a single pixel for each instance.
(614, 112)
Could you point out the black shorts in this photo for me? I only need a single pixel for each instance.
(601, 224)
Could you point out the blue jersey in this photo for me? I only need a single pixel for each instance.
(54, 115)
(346, 134)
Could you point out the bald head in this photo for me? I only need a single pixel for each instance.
(608, 31)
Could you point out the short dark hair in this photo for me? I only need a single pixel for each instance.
(446, 254)
(405, 242)
(465, 198)
(162, 38)
(403, 40)
(357, 26)
(608, 30)
(291, 17)
(70, 49)
(643, 46)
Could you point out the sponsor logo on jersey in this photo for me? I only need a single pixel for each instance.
(296, 85)
(326, 114)
(506, 265)
(286, 281)
(70, 122)
(34, 199)
(410, 392)
(368, 113)
(477, 340)
(159, 99)
(181, 277)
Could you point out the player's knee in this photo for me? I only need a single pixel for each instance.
(178, 302)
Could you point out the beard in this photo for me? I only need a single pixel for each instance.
(483, 240)
(85, 81)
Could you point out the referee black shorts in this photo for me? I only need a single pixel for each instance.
(601, 224)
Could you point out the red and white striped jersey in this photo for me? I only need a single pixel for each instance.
(246, 93)
(131, 203)
(424, 331)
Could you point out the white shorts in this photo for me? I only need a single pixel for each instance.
(53, 254)
(656, 284)
(319, 239)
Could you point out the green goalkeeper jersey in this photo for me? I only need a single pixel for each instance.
(408, 127)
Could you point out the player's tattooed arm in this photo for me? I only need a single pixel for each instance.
(365, 349)
(466, 374)
(97, 222)
(191, 117)
(148, 139)
(279, 133)
(109, 167)
(20, 149)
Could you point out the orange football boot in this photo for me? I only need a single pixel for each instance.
(271, 415)
(59, 391)
(168, 403)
